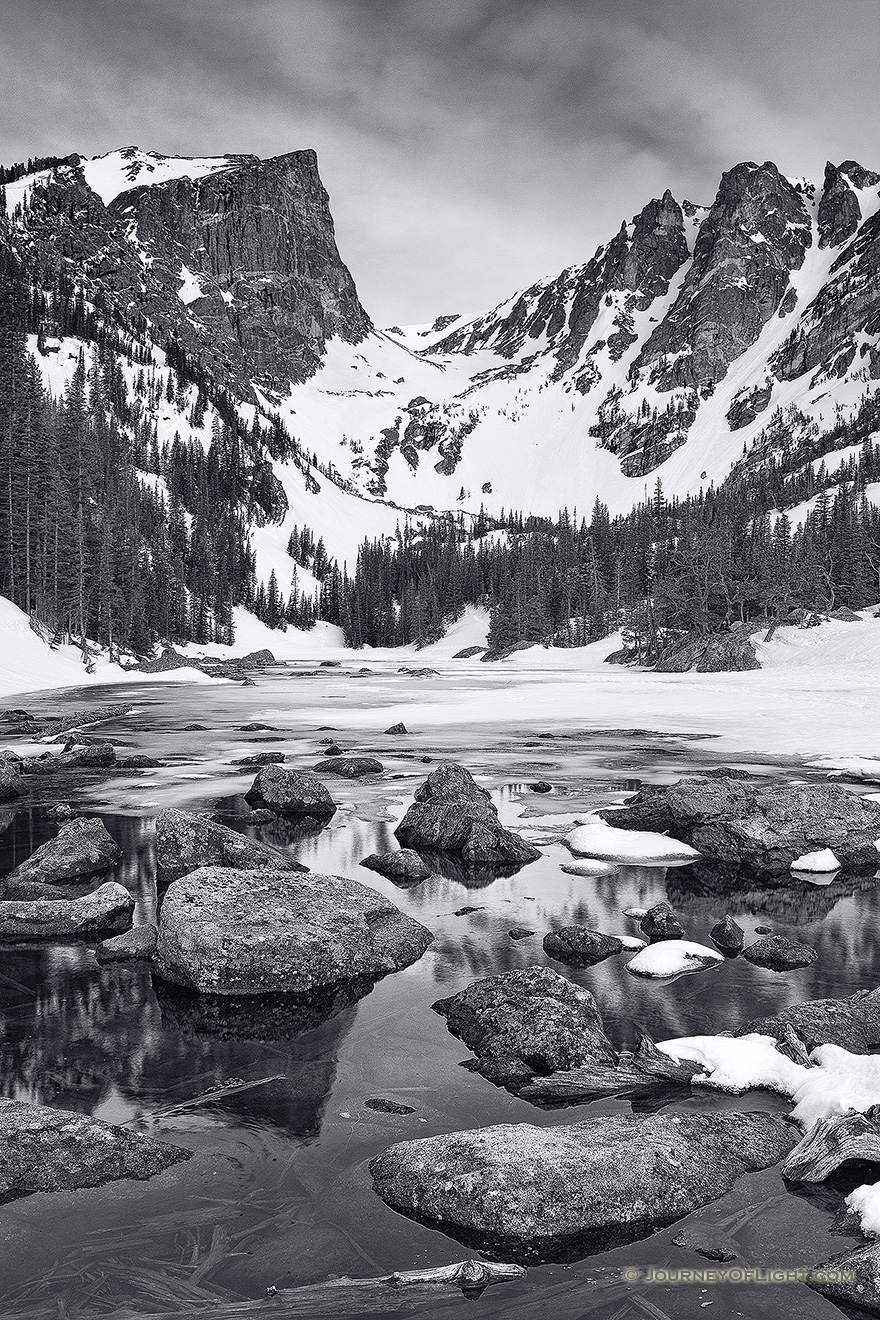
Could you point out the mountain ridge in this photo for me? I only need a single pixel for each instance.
(661, 357)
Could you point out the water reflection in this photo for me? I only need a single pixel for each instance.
(110, 1042)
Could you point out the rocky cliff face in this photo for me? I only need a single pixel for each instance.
(238, 264)
(680, 334)
(689, 337)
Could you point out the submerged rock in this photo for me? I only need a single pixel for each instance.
(453, 815)
(109, 908)
(763, 827)
(350, 767)
(185, 842)
(131, 946)
(382, 1106)
(526, 1023)
(534, 1194)
(225, 932)
(52, 1150)
(578, 946)
(404, 867)
(81, 848)
(291, 793)
(779, 954)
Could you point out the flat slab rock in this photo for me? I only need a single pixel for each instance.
(109, 908)
(52, 1150)
(185, 842)
(81, 848)
(452, 814)
(526, 1023)
(762, 826)
(225, 932)
(533, 1194)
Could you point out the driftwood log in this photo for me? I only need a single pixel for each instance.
(640, 1072)
(831, 1142)
(408, 1290)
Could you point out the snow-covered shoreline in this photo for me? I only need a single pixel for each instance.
(817, 696)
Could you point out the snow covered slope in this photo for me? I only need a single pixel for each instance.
(664, 357)
(696, 335)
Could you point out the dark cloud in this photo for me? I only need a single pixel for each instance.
(469, 146)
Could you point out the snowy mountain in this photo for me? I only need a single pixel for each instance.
(661, 358)
(695, 334)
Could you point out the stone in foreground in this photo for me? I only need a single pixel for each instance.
(403, 867)
(764, 827)
(291, 793)
(81, 848)
(852, 1278)
(535, 1194)
(526, 1023)
(454, 816)
(106, 910)
(185, 842)
(225, 932)
(52, 1150)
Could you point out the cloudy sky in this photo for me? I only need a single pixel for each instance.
(469, 146)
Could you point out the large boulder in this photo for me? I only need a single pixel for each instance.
(853, 1278)
(291, 793)
(52, 1150)
(709, 653)
(527, 1023)
(81, 848)
(853, 1023)
(758, 825)
(453, 815)
(225, 932)
(185, 842)
(534, 1194)
(106, 910)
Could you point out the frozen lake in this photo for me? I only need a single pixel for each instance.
(278, 1193)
